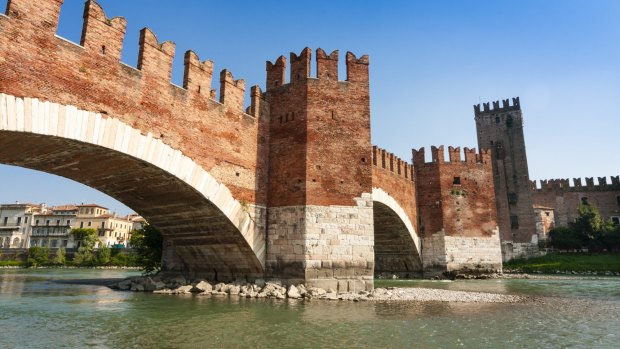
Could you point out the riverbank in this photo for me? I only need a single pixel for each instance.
(274, 289)
(568, 264)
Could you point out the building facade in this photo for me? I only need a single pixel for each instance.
(111, 229)
(16, 223)
(52, 227)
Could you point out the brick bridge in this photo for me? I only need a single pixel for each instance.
(288, 187)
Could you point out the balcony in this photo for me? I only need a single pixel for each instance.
(11, 225)
(52, 234)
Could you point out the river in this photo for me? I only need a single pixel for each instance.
(66, 309)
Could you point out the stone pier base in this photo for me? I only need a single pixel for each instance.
(461, 255)
(512, 250)
(330, 247)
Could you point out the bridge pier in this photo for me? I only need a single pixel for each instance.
(330, 247)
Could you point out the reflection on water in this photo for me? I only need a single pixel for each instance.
(38, 311)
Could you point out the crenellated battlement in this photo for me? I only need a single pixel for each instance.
(563, 184)
(326, 68)
(388, 161)
(487, 108)
(102, 43)
(219, 134)
(454, 156)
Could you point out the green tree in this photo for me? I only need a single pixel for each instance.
(60, 257)
(104, 255)
(86, 238)
(589, 222)
(610, 238)
(38, 256)
(565, 238)
(147, 243)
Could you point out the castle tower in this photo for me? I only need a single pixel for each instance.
(501, 130)
(320, 219)
(458, 221)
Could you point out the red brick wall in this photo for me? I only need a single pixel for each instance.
(565, 199)
(500, 129)
(219, 136)
(395, 177)
(465, 209)
(319, 132)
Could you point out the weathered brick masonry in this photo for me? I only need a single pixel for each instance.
(397, 245)
(218, 136)
(458, 218)
(290, 188)
(565, 198)
(500, 129)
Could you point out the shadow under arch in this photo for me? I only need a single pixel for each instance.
(207, 231)
(397, 245)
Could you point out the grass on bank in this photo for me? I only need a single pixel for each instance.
(578, 262)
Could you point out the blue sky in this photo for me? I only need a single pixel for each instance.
(430, 62)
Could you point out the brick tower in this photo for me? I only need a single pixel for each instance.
(457, 212)
(501, 130)
(320, 219)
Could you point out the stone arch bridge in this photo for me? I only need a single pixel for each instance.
(288, 187)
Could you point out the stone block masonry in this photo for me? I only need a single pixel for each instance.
(461, 254)
(325, 246)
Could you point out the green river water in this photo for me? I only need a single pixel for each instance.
(50, 309)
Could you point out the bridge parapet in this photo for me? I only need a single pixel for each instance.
(390, 162)
(39, 64)
(564, 184)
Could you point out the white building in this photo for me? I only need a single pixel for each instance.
(16, 223)
(52, 228)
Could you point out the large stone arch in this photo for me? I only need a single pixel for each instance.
(397, 245)
(207, 231)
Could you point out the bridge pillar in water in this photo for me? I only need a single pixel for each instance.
(320, 218)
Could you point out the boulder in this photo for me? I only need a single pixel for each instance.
(275, 282)
(183, 289)
(218, 287)
(202, 286)
(302, 289)
(124, 285)
(331, 296)
(293, 292)
(137, 287)
(149, 285)
(234, 290)
(314, 292)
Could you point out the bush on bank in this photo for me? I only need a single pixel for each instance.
(589, 231)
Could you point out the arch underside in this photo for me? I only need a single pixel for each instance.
(395, 250)
(204, 239)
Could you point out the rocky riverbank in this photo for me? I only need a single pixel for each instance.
(274, 289)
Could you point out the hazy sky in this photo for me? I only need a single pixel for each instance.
(430, 62)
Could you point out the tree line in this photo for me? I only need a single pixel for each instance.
(146, 249)
(589, 231)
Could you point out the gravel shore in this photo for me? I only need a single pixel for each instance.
(437, 295)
